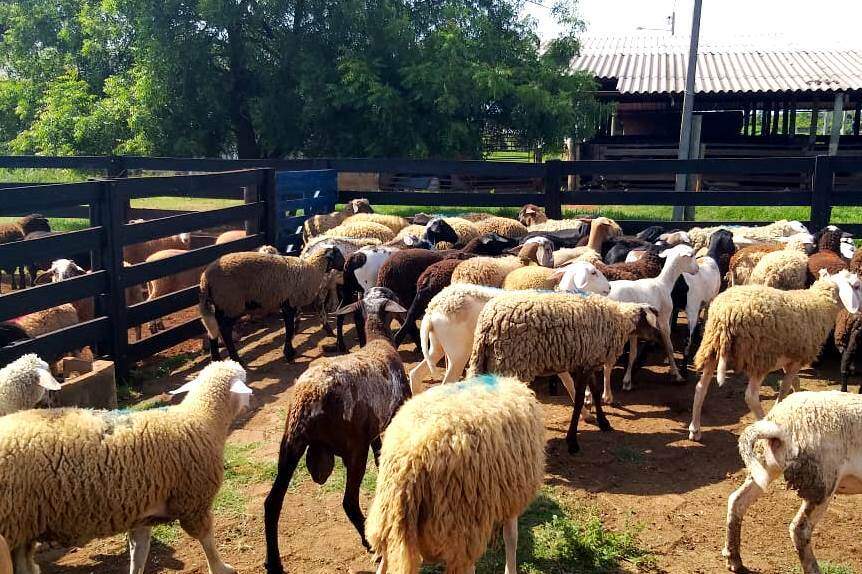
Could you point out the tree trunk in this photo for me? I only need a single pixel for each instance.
(246, 139)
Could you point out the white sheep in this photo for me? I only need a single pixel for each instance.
(457, 462)
(23, 383)
(815, 440)
(72, 475)
(755, 330)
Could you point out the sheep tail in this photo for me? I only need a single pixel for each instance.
(762, 429)
(426, 331)
(206, 307)
(721, 373)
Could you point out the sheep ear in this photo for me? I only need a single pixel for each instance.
(355, 207)
(187, 387)
(823, 273)
(580, 277)
(239, 387)
(394, 307)
(47, 380)
(848, 295)
(349, 308)
(530, 211)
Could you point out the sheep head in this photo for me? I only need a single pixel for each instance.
(531, 214)
(437, 230)
(849, 288)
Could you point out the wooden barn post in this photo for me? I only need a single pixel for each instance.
(553, 182)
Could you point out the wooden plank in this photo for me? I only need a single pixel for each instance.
(718, 198)
(25, 301)
(443, 198)
(226, 185)
(38, 197)
(54, 162)
(165, 340)
(216, 164)
(147, 213)
(59, 342)
(164, 305)
(139, 232)
(704, 166)
(143, 272)
(439, 167)
(292, 225)
(51, 247)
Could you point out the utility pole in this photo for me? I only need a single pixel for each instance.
(688, 105)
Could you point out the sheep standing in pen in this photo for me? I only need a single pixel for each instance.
(531, 334)
(534, 218)
(73, 475)
(743, 262)
(758, 234)
(827, 257)
(319, 224)
(362, 230)
(10, 232)
(23, 383)
(170, 283)
(340, 407)
(755, 330)
(784, 269)
(439, 448)
(814, 439)
(138, 253)
(501, 226)
(848, 330)
(241, 282)
(450, 321)
(393, 222)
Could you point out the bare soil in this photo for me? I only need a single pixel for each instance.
(645, 472)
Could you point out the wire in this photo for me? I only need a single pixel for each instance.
(537, 3)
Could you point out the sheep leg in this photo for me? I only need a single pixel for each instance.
(24, 559)
(608, 394)
(699, 396)
(355, 465)
(847, 359)
(569, 383)
(200, 527)
(668, 349)
(752, 396)
(288, 459)
(572, 434)
(289, 315)
(383, 568)
(789, 381)
(139, 548)
(510, 538)
(417, 375)
(633, 353)
(455, 364)
(737, 505)
(225, 326)
(595, 386)
(376, 446)
(801, 529)
(692, 313)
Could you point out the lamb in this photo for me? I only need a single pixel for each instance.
(362, 230)
(601, 229)
(501, 226)
(23, 383)
(755, 330)
(827, 257)
(535, 219)
(434, 441)
(450, 320)
(113, 457)
(10, 232)
(815, 440)
(340, 406)
(170, 283)
(138, 253)
(783, 269)
(655, 292)
(491, 271)
(743, 262)
(848, 330)
(512, 338)
(239, 282)
(393, 222)
(320, 224)
(464, 230)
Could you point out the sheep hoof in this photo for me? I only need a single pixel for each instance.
(574, 448)
(694, 435)
(734, 563)
(588, 417)
(605, 426)
(607, 400)
(224, 569)
(627, 386)
(289, 354)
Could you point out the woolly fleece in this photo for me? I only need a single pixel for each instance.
(501, 226)
(781, 269)
(362, 230)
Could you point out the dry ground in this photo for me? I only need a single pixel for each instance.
(644, 473)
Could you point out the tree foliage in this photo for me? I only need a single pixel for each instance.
(259, 78)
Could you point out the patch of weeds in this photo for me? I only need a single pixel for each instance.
(833, 568)
(167, 534)
(625, 453)
(153, 403)
(137, 377)
(555, 538)
(338, 480)
(241, 470)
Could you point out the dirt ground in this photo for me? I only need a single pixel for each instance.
(645, 472)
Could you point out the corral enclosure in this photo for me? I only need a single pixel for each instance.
(277, 195)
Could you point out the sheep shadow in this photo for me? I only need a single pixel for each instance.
(161, 558)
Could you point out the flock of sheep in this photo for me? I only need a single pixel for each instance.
(502, 301)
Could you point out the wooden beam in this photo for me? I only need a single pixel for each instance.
(837, 123)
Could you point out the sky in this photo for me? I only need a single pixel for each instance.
(831, 23)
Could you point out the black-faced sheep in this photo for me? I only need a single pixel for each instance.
(340, 407)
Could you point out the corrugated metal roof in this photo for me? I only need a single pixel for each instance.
(649, 64)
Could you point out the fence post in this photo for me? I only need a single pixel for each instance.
(270, 209)
(821, 192)
(113, 219)
(553, 183)
(117, 169)
(251, 194)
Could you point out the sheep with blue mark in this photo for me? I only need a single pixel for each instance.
(487, 431)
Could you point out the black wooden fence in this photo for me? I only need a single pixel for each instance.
(823, 183)
(105, 238)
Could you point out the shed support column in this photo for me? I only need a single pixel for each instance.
(856, 117)
(837, 123)
(792, 129)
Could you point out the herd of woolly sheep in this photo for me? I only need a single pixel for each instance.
(491, 304)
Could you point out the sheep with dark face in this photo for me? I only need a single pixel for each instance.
(341, 406)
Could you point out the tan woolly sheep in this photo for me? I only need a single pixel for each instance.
(534, 218)
(441, 445)
(503, 226)
(746, 234)
(529, 334)
(130, 471)
(755, 330)
(743, 262)
(23, 383)
(362, 230)
(815, 440)
(492, 271)
(393, 222)
(531, 277)
(413, 229)
(464, 229)
(241, 282)
(138, 253)
(319, 224)
(165, 285)
(5, 557)
(232, 235)
(782, 269)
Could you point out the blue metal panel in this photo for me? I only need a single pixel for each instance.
(313, 191)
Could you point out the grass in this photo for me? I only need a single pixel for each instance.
(624, 453)
(832, 568)
(556, 537)
(137, 377)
